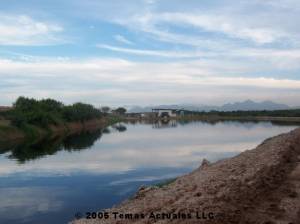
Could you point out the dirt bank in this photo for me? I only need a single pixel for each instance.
(75, 127)
(11, 133)
(257, 186)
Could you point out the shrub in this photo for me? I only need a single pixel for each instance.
(49, 112)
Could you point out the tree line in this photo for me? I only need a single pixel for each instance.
(259, 113)
(47, 112)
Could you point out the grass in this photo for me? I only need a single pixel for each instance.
(4, 122)
(112, 119)
(28, 131)
(8, 131)
(165, 183)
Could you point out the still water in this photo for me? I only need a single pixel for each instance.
(50, 181)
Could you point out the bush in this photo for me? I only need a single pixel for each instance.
(80, 112)
(49, 112)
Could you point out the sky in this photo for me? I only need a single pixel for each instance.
(150, 52)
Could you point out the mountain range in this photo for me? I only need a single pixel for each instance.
(242, 106)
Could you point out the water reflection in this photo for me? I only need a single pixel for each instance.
(165, 123)
(83, 140)
(27, 201)
(32, 150)
(48, 181)
(119, 127)
(185, 144)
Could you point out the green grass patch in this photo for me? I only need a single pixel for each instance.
(113, 119)
(6, 128)
(165, 182)
(4, 122)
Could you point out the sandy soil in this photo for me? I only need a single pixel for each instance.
(257, 186)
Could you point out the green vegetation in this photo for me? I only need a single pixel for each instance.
(119, 111)
(34, 119)
(7, 130)
(105, 109)
(113, 119)
(45, 112)
(31, 150)
(165, 182)
(263, 113)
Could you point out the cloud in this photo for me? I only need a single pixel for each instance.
(122, 39)
(211, 52)
(231, 26)
(159, 53)
(230, 21)
(124, 71)
(223, 24)
(280, 59)
(23, 30)
(281, 4)
(118, 81)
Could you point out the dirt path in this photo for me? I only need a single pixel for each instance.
(257, 186)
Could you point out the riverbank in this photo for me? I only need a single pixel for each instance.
(241, 118)
(212, 118)
(261, 185)
(9, 132)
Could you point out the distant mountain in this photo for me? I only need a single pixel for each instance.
(243, 106)
(251, 105)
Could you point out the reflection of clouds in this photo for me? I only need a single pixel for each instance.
(143, 147)
(143, 179)
(22, 202)
(126, 190)
(201, 132)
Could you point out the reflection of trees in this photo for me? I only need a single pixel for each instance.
(6, 147)
(33, 150)
(238, 121)
(81, 141)
(217, 121)
(119, 127)
(106, 131)
(285, 123)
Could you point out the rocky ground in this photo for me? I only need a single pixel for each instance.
(257, 186)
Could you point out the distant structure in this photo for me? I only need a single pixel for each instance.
(3, 108)
(165, 112)
(158, 113)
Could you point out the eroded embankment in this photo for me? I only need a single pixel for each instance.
(11, 133)
(257, 186)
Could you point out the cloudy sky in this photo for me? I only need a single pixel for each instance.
(143, 52)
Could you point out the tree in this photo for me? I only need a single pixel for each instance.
(24, 104)
(105, 109)
(120, 110)
(47, 112)
(51, 105)
(81, 112)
